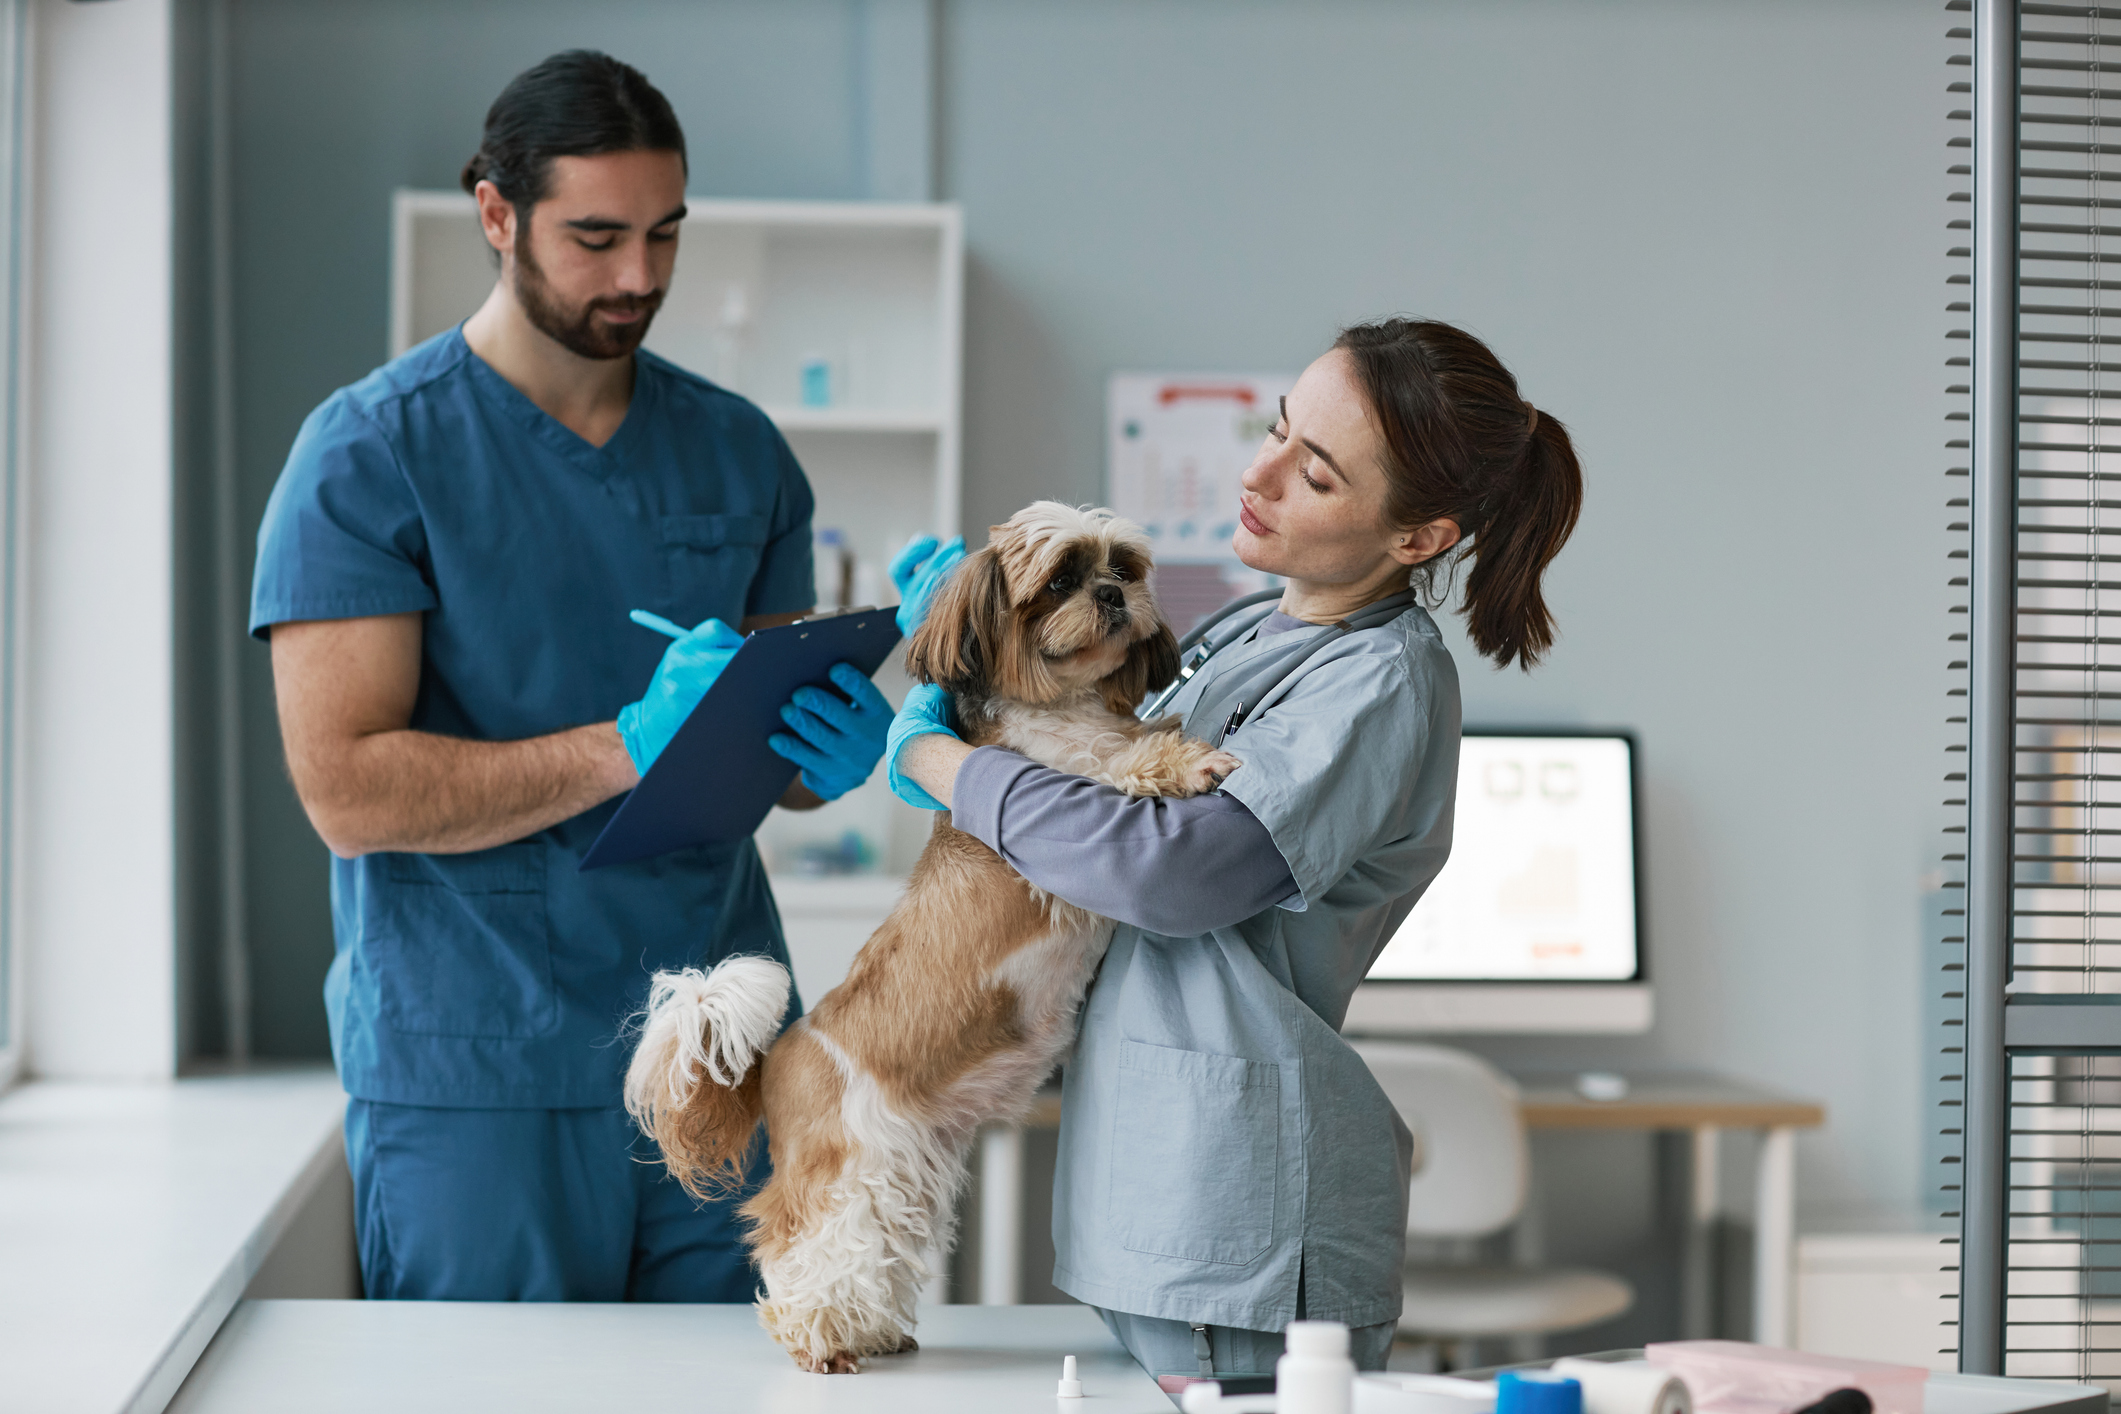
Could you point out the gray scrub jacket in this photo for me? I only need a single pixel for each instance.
(1222, 1149)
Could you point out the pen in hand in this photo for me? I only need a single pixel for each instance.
(658, 623)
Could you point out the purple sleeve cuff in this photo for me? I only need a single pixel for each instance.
(981, 786)
(1175, 867)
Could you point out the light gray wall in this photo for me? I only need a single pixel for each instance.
(1708, 235)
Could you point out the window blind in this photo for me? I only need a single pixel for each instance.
(2037, 969)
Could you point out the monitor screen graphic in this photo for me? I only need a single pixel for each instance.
(1540, 886)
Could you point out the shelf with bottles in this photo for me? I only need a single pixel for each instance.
(845, 419)
(834, 315)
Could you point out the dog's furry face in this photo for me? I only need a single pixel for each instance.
(1057, 601)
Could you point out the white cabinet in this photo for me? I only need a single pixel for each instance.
(1878, 1296)
(857, 304)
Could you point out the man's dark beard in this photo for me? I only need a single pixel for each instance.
(579, 330)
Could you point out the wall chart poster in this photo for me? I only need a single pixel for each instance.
(1177, 445)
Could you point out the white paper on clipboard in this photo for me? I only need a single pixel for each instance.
(1177, 445)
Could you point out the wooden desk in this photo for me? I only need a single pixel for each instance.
(357, 1357)
(1677, 1101)
(1702, 1107)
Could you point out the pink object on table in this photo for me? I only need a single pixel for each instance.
(1734, 1377)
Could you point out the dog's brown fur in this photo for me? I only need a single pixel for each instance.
(933, 1034)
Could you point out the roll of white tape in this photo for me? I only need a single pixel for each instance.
(1627, 1387)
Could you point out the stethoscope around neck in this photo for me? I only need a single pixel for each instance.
(1218, 631)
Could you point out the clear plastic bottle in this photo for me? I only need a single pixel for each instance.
(1316, 1376)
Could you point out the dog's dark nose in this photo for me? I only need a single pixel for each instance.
(1111, 596)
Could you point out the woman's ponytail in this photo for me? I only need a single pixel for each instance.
(1463, 445)
(1529, 520)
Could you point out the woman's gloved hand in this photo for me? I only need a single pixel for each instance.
(926, 713)
(689, 668)
(836, 742)
(918, 571)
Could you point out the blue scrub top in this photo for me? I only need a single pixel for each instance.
(502, 979)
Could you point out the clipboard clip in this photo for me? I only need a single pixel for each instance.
(836, 613)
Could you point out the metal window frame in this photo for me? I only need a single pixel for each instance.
(15, 40)
(1991, 686)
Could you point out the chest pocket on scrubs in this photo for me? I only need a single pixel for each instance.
(461, 944)
(1213, 1123)
(712, 561)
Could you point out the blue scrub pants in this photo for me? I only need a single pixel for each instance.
(531, 1205)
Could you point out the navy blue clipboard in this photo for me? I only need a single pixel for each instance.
(717, 779)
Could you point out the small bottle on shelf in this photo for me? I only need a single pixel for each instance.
(817, 381)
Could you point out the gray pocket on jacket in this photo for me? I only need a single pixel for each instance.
(1196, 1154)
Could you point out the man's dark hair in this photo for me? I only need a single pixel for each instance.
(576, 104)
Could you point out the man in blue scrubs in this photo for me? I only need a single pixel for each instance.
(444, 572)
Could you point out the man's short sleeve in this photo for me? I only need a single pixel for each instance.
(342, 536)
(1331, 770)
(786, 582)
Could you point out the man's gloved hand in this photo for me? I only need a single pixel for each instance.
(926, 713)
(918, 571)
(836, 743)
(689, 668)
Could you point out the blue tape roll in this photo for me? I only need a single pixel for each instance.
(1536, 1392)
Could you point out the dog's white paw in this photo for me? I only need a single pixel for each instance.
(1211, 770)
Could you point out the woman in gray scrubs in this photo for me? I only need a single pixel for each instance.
(1227, 1163)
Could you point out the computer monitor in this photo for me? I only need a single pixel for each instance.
(1534, 925)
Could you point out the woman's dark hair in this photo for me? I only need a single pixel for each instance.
(1460, 443)
(576, 104)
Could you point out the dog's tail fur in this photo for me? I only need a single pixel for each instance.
(720, 1022)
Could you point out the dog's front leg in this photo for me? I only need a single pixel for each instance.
(1169, 763)
(843, 1279)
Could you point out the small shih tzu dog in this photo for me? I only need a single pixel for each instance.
(962, 1002)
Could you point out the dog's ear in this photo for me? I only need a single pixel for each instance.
(1151, 665)
(957, 645)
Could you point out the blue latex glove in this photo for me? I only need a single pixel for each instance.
(836, 742)
(688, 669)
(926, 713)
(919, 571)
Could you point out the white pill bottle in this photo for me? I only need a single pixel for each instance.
(1316, 1375)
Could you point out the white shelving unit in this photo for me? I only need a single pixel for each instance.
(762, 288)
